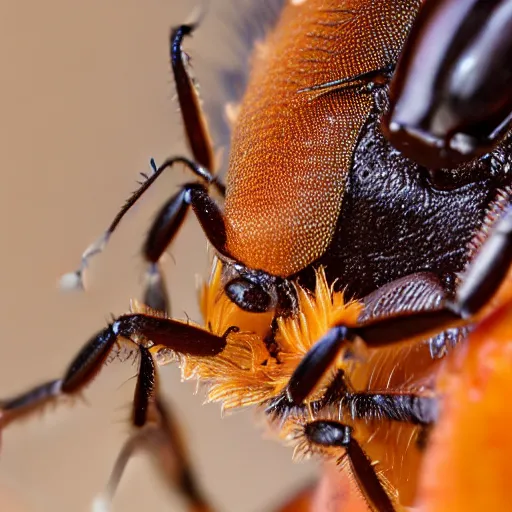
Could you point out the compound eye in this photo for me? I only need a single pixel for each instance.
(450, 97)
(248, 296)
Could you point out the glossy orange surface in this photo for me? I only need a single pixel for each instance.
(468, 464)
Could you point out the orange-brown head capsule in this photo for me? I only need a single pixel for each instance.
(293, 143)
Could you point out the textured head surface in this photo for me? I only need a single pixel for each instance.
(292, 150)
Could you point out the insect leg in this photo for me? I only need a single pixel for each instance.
(481, 281)
(177, 336)
(164, 229)
(412, 408)
(80, 372)
(158, 434)
(194, 120)
(335, 434)
(200, 144)
(404, 407)
(75, 279)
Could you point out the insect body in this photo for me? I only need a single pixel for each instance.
(344, 270)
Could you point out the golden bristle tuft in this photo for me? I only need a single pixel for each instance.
(244, 373)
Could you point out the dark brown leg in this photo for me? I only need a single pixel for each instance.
(333, 433)
(409, 408)
(193, 118)
(201, 165)
(76, 278)
(404, 407)
(80, 372)
(481, 281)
(165, 227)
(158, 434)
(177, 336)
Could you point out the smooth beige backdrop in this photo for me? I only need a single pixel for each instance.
(85, 101)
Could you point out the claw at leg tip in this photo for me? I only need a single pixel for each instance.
(71, 281)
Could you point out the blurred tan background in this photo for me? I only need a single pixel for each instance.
(85, 101)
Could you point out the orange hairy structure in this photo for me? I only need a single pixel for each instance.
(244, 375)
